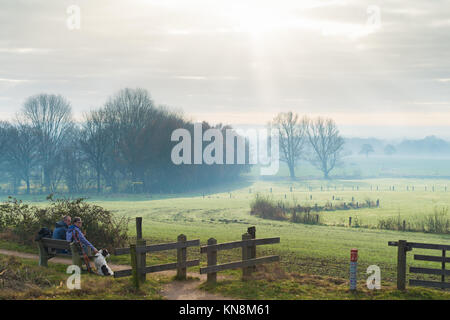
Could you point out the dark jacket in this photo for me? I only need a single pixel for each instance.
(60, 230)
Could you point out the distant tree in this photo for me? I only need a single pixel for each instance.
(75, 169)
(292, 132)
(21, 152)
(95, 142)
(131, 117)
(50, 116)
(326, 144)
(3, 135)
(366, 149)
(389, 150)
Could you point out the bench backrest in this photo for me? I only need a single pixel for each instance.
(55, 243)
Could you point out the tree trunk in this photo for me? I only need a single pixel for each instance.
(98, 181)
(28, 185)
(292, 171)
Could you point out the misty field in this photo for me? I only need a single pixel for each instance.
(305, 250)
(315, 249)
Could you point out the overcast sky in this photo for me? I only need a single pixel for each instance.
(379, 68)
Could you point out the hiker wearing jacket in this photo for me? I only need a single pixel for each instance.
(61, 228)
(75, 229)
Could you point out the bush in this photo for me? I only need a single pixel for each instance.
(264, 207)
(436, 222)
(102, 228)
(305, 217)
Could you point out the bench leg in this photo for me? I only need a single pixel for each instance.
(43, 256)
(76, 259)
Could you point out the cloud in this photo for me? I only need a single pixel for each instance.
(228, 58)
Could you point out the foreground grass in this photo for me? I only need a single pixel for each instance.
(272, 283)
(24, 279)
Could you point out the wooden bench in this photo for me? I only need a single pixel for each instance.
(48, 249)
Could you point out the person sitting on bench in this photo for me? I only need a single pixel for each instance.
(75, 231)
(60, 232)
(61, 228)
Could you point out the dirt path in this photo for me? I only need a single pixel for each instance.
(175, 290)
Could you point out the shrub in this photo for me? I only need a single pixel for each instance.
(390, 223)
(436, 222)
(102, 228)
(264, 207)
(306, 217)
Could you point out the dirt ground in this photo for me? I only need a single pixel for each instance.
(175, 290)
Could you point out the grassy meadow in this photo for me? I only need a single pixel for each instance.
(315, 250)
(319, 249)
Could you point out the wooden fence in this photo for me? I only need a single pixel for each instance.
(139, 251)
(404, 247)
(249, 260)
(138, 259)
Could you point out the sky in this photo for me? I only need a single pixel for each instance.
(378, 68)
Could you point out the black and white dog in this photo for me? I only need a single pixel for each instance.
(100, 263)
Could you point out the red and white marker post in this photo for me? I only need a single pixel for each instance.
(353, 267)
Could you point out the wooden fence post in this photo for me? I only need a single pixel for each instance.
(181, 258)
(141, 257)
(134, 266)
(138, 228)
(141, 260)
(246, 271)
(401, 265)
(212, 261)
(252, 250)
(443, 266)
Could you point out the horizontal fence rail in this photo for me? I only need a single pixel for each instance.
(432, 284)
(159, 247)
(138, 258)
(249, 261)
(158, 268)
(430, 258)
(422, 245)
(239, 264)
(404, 247)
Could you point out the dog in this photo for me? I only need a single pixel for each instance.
(100, 263)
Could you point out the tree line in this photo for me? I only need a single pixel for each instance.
(123, 146)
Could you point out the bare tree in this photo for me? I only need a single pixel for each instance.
(21, 152)
(95, 142)
(131, 118)
(51, 117)
(3, 135)
(292, 132)
(74, 164)
(326, 143)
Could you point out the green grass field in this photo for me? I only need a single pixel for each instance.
(322, 250)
